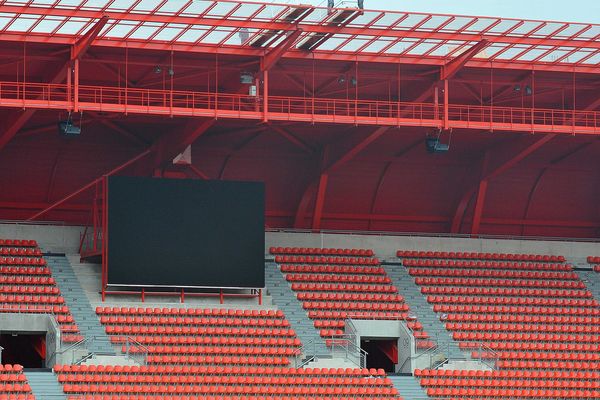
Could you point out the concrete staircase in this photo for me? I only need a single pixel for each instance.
(592, 282)
(423, 310)
(408, 387)
(77, 301)
(44, 385)
(285, 299)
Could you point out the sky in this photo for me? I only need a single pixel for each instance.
(558, 10)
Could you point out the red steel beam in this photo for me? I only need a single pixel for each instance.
(321, 184)
(290, 137)
(504, 166)
(89, 185)
(275, 54)
(83, 44)
(453, 66)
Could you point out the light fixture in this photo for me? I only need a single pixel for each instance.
(528, 90)
(353, 81)
(517, 88)
(157, 69)
(342, 79)
(171, 72)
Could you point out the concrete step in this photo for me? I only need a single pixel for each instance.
(285, 299)
(408, 387)
(423, 310)
(75, 298)
(44, 385)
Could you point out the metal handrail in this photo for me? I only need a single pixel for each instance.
(1, 348)
(136, 351)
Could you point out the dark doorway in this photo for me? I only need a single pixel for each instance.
(383, 353)
(27, 349)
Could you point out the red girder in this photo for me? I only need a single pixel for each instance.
(454, 65)
(275, 54)
(80, 47)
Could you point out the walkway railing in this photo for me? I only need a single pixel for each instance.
(340, 347)
(302, 109)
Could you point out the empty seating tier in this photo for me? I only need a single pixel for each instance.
(337, 284)
(222, 382)
(204, 336)
(321, 251)
(13, 383)
(511, 384)
(26, 286)
(479, 256)
(528, 314)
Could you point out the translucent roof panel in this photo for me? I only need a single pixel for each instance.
(348, 30)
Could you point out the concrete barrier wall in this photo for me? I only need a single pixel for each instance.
(55, 238)
(66, 239)
(386, 246)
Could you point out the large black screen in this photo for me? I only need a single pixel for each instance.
(185, 233)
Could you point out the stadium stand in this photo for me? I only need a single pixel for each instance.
(27, 286)
(336, 284)
(187, 336)
(535, 318)
(13, 383)
(222, 382)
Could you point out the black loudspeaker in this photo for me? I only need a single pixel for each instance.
(433, 145)
(66, 128)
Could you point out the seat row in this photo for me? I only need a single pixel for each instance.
(503, 383)
(485, 393)
(214, 370)
(527, 328)
(20, 252)
(327, 260)
(593, 259)
(216, 360)
(197, 330)
(26, 280)
(37, 289)
(335, 269)
(509, 265)
(334, 296)
(17, 243)
(541, 356)
(25, 270)
(215, 341)
(502, 347)
(522, 338)
(31, 299)
(359, 306)
(498, 300)
(528, 319)
(217, 397)
(538, 310)
(343, 287)
(426, 281)
(561, 365)
(213, 312)
(503, 291)
(492, 273)
(198, 321)
(479, 256)
(33, 261)
(321, 251)
(508, 374)
(338, 278)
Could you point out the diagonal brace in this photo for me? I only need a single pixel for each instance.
(454, 65)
